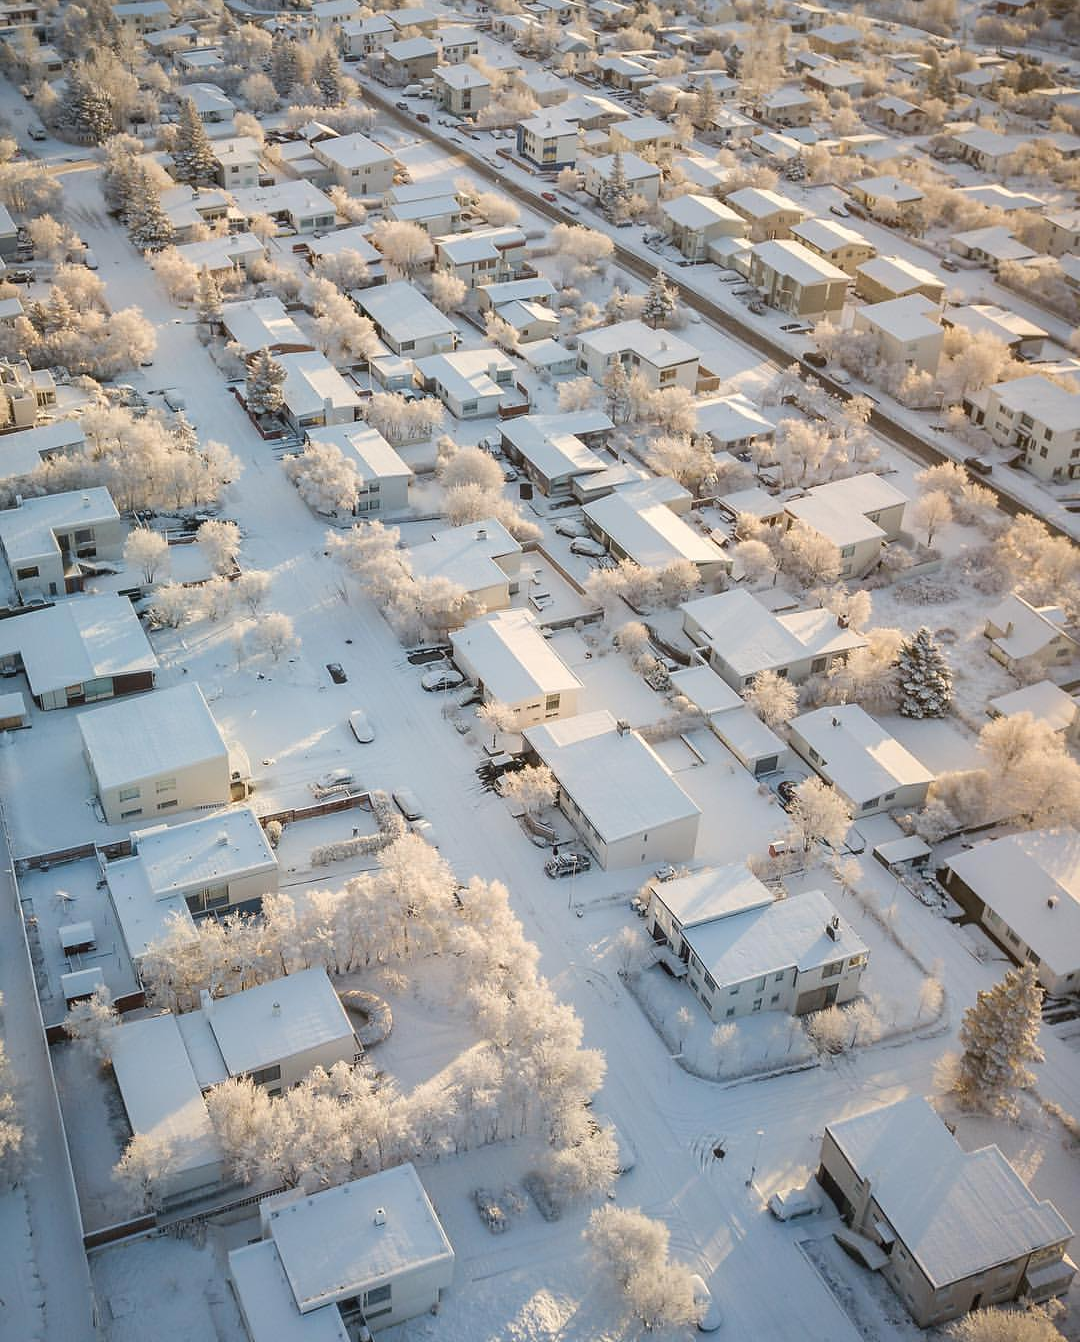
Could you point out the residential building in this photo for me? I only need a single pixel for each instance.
(742, 950)
(642, 178)
(383, 479)
(953, 1230)
(616, 790)
(315, 392)
(21, 453)
(695, 221)
(868, 496)
(407, 321)
(733, 423)
(906, 330)
(237, 161)
(856, 538)
(436, 215)
(834, 242)
(472, 384)
(888, 197)
(1023, 337)
(739, 638)
(769, 214)
(791, 107)
(356, 1258)
(461, 89)
(548, 141)
(156, 753)
(532, 322)
(481, 557)
(792, 278)
(212, 105)
(547, 88)
(217, 864)
(79, 652)
(646, 132)
(869, 768)
(1022, 635)
(424, 21)
(882, 278)
(27, 391)
(457, 44)
(45, 540)
(482, 256)
(1046, 703)
(224, 257)
(732, 721)
(364, 37)
(508, 659)
(358, 165)
(189, 208)
(662, 358)
(900, 115)
(990, 246)
(410, 60)
(1036, 415)
(555, 450)
(142, 16)
(256, 324)
(834, 77)
(638, 522)
(1064, 232)
(841, 41)
(295, 205)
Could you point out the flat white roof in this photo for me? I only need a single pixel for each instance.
(267, 1302)
(84, 639)
(956, 1212)
(352, 151)
(354, 239)
(205, 851)
(649, 532)
(151, 734)
(615, 778)
(365, 446)
(512, 658)
(29, 530)
(769, 936)
(1045, 701)
(756, 203)
(466, 555)
(746, 736)
(331, 1247)
(865, 493)
(643, 129)
(660, 348)
(462, 76)
(404, 312)
(706, 690)
(857, 753)
(24, 451)
(1044, 400)
(892, 188)
(311, 380)
(1032, 882)
(751, 639)
(828, 234)
(707, 895)
(635, 169)
(699, 212)
(729, 419)
(216, 253)
(297, 198)
(277, 1020)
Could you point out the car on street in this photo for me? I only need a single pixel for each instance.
(406, 802)
(361, 727)
(37, 132)
(840, 376)
(815, 359)
(947, 263)
(337, 675)
(402, 106)
(794, 1203)
(667, 873)
(336, 778)
(549, 195)
(567, 864)
(839, 211)
(709, 1319)
(441, 678)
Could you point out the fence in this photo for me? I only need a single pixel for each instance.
(351, 801)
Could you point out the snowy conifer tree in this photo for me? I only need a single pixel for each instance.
(925, 677)
(265, 385)
(149, 227)
(328, 79)
(705, 112)
(193, 155)
(661, 302)
(208, 298)
(86, 110)
(284, 65)
(616, 190)
(999, 1034)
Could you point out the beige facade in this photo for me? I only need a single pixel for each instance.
(793, 279)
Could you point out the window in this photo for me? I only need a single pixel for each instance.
(774, 999)
(759, 986)
(377, 1301)
(408, 344)
(127, 794)
(779, 977)
(551, 703)
(167, 805)
(757, 1004)
(733, 990)
(730, 1011)
(468, 407)
(847, 552)
(126, 815)
(23, 573)
(818, 664)
(831, 970)
(266, 1074)
(710, 982)
(869, 805)
(165, 785)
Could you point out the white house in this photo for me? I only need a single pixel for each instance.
(881, 278)
(1025, 890)
(472, 384)
(870, 769)
(907, 332)
(769, 214)
(554, 450)
(315, 392)
(616, 790)
(1036, 415)
(644, 132)
(237, 161)
(362, 37)
(461, 89)
(44, 538)
(732, 423)
(79, 652)
(223, 257)
(856, 538)
(642, 179)
(262, 323)
(508, 659)
(215, 864)
(739, 638)
(1022, 633)
(743, 951)
(662, 358)
(482, 557)
(548, 141)
(732, 721)
(364, 1255)
(407, 321)
(23, 452)
(359, 165)
(481, 256)
(950, 1230)
(695, 221)
(294, 205)
(870, 496)
(1046, 702)
(637, 522)
(410, 60)
(160, 752)
(383, 478)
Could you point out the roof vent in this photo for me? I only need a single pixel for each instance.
(86, 500)
(832, 928)
(622, 727)
(481, 533)
(380, 1216)
(1052, 902)
(836, 722)
(223, 839)
(275, 1010)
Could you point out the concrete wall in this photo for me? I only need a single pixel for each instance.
(203, 784)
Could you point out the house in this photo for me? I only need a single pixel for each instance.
(482, 255)
(198, 61)
(791, 107)
(953, 1229)
(44, 539)
(383, 479)
(885, 277)
(733, 423)
(352, 239)
(472, 384)
(407, 321)
(547, 88)
(742, 950)
(642, 178)
(832, 77)
(315, 392)
(776, 147)
(424, 21)
(662, 358)
(142, 16)
(410, 60)
(481, 557)
(531, 322)
(364, 37)
(1022, 635)
(834, 242)
(296, 205)
(355, 1258)
(1023, 337)
(216, 864)
(984, 149)
(27, 391)
(998, 197)
(79, 652)
(990, 246)
(212, 105)
(189, 208)
(732, 721)
(868, 496)
(870, 769)
(358, 165)
(592, 112)
(237, 161)
(695, 221)
(625, 73)
(1064, 232)
(458, 44)
(555, 450)
(637, 522)
(739, 638)
(645, 132)
(436, 215)
(792, 278)
(328, 16)
(616, 790)
(887, 197)
(1036, 415)
(159, 752)
(841, 41)
(548, 141)
(507, 658)
(262, 323)
(549, 359)
(769, 214)
(1046, 703)
(461, 89)
(23, 452)
(906, 330)
(223, 257)
(900, 115)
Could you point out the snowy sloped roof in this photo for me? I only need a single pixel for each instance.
(857, 753)
(650, 533)
(1027, 628)
(556, 453)
(729, 419)
(261, 323)
(404, 312)
(467, 555)
(1045, 701)
(956, 1212)
(898, 274)
(797, 262)
(311, 380)
(366, 448)
(706, 896)
(704, 688)
(84, 639)
(512, 658)
(751, 639)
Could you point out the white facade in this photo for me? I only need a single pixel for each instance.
(44, 538)
(1036, 415)
(472, 384)
(407, 321)
(482, 557)
(357, 164)
(907, 332)
(315, 392)
(383, 477)
(662, 358)
(869, 768)
(1020, 633)
(508, 659)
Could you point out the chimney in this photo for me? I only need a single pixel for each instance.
(832, 928)
(481, 533)
(223, 839)
(275, 1010)
(836, 722)
(86, 500)
(1052, 902)
(380, 1216)
(622, 727)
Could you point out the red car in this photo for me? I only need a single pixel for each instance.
(549, 195)
(423, 117)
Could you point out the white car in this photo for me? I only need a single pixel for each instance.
(584, 545)
(174, 399)
(336, 778)
(709, 1319)
(795, 1202)
(360, 727)
(840, 376)
(441, 678)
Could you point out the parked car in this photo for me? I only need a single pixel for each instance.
(709, 1319)
(335, 778)
(402, 106)
(585, 545)
(441, 678)
(406, 802)
(174, 399)
(568, 207)
(839, 211)
(947, 263)
(567, 864)
(786, 791)
(571, 529)
(840, 376)
(423, 118)
(36, 132)
(667, 873)
(549, 195)
(509, 474)
(795, 1202)
(337, 675)
(360, 727)
(815, 359)
(89, 260)
(795, 328)
(978, 464)
(20, 276)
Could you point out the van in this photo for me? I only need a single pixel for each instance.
(406, 802)
(413, 91)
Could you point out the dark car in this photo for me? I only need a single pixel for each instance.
(423, 118)
(549, 195)
(567, 864)
(979, 465)
(787, 792)
(815, 360)
(20, 276)
(337, 674)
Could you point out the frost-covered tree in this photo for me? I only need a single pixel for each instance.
(808, 557)
(925, 678)
(193, 155)
(497, 209)
(328, 79)
(615, 190)
(220, 544)
(147, 551)
(819, 814)
(273, 634)
(773, 698)
(208, 298)
(346, 269)
(533, 788)
(86, 110)
(174, 605)
(92, 1022)
(265, 388)
(995, 1324)
(634, 1250)
(143, 1171)
(405, 246)
(930, 512)
(284, 63)
(661, 301)
(252, 588)
(149, 227)
(324, 478)
(756, 560)
(499, 717)
(470, 466)
(686, 459)
(448, 292)
(1000, 1035)
(580, 252)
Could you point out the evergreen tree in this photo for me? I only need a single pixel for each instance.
(615, 192)
(1000, 1037)
(924, 676)
(59, 314)
(118, 184)
(661, 302)
(617, 391)
(328, 80)
(193, 155)
(265, 385)
(149, 227)
(284, 64)
(208, 298)
(706, 105)
(86, 109)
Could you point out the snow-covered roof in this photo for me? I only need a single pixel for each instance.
(957, 1213)
(266, 1298)
(423, 207)
(897, 274)
(354, 239)
(888, 188)
(261, 323)
(649, 532)
(1000, 197)
(151, 734)
(1045, 701)
(549, 126)
(467, 375)
(219, 253)
(768, 937)
(277, 1020)
(826, 235)
(1032, 882)
(614, 777)
(751, 639)
(798, 263)
(509, 291)
(366, 448)
(24, 451)
(411, 49)
(28, 531)
(311, 380)
(333, 1246)
(76, 641)
(237, 149)
(730, 419)
(834, 521)
(298, 199)
(699, 212)
(989, 319)
(1046, 402)
(480, 244)
(746, 736)
(706, 690)
(754, 203)
(462, 76)
(207, 851)
(467, 555)
(351, 151)
(752, 502)
(161, 1095)
(507, 651)
(705, 896)
(997, 242)
(1027, 628)
(644, 129)
(426, 189)
(865, 493)
(856, 753)
(905, 319)
(660, 348)
(550, 444)
(403, 312)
